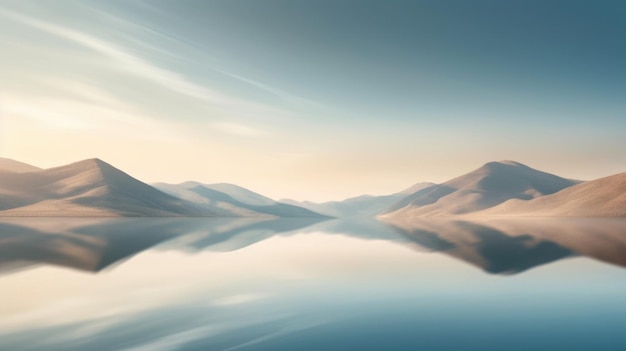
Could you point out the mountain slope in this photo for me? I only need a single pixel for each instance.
(86, 188)
(240, 194)
(361, 206)
(604, 197)
(16, 166)
(232, 201)
(490, 185)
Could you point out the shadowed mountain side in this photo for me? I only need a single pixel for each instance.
(490, 185)
(604, 197)
(93, 247)
(229, 200)
(23, 246)
(482, 246)
(361, 206)
(238, 193)
(603, 239)
(87, 188)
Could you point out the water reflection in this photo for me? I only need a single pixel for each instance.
(262, 284)
(486, 247)
(512, 246)
(93, 246)
(498, 247)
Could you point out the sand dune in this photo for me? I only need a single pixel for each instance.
(490, 185)
(230, 200)
(604, 197)
(86, 188)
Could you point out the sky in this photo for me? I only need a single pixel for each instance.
(315, 100)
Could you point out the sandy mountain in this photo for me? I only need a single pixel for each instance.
(415, 188)
(490, 185)
(604, 197)
(232, 201)
(360, 206)
(9, 165)
(86, 188)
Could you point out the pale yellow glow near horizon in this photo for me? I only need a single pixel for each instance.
(166, 152)
(159, 156)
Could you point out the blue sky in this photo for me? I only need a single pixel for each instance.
(315, 99)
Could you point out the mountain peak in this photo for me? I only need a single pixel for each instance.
(511, 163)
(190, 184)
(95, 161)
(225, 186)
(90, 164)
(92, 168)
(504, 164)
(487, 186)
(93, 187)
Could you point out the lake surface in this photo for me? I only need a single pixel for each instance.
(359, 284)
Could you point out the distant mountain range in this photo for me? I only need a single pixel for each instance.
(230, 200)
(94, 188)
(360, 206)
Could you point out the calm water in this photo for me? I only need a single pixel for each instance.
(226, 284)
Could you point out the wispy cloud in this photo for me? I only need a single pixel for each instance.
(274, 91)
(133, 64)
(83, 107)
(239, 299)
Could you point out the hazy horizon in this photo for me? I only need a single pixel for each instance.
(397, 190)
(315, 100)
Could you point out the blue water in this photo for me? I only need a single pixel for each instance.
(227, 284)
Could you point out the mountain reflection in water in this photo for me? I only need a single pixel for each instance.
(301, 284)
(498, 247)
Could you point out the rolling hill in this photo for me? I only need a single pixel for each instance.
(360, 206)
(488, 186)
(230, 200)
(8, 165)
(86, 188)
(604, 197)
